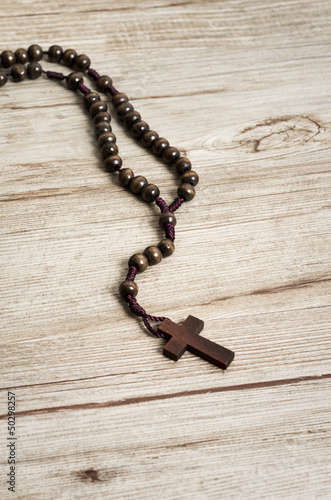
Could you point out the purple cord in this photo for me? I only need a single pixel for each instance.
(140, 311)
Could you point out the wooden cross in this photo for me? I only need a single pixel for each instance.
(186, 337)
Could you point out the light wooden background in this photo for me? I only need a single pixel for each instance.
(243, 88)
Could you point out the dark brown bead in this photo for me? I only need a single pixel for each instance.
(8, 58)
(150, 192)
(90, 98)
(123, 109)
(21, 56)
(190, 177)
(96, 107)
(119, 98)
(109, 149)
(139, 261)
(35, 52)
(186, 191)
(148, 138)
(18, 72)
(167, 247)
(139, 128)
(102, 128)
(138, 183)
(113, 163)
(103, 82)
(3, 78)
(170, 155)
(34, 70)
(160, 145)
(107, 137)
(69, 56)
(103, 116)
(167, 218)
(125, 176)
(82, 62)
(153, 254)
(131, 118)
(182, 165)
(55, 53)
(73, 79)
(128, 287)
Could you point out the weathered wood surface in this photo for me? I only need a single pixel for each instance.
(244, 89)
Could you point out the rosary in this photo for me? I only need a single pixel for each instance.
(24, 64)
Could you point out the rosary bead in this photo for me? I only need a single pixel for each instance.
(148, 138)
(55, 53)
(102, 128)
(8, 58)
(160, 145)
(139, 128)
(128, 288)
(103, 116)
(73, 79)
(35, 52)
(3, 78)
(103, 82)
(113, 163)
(69, 56)
(90, 98)
(182, 165)
(96, 107)
(138, 183)
(105, 138)
(18, 72)
(139, 261)
(82, 62)
(167, 247)
(123, 109)
(119, 98)
(190, 177)
(150, 192)
(131, 118)
(34, 70)
(170, 155)
(167, 218)
(153, 254)
(109, 149)
(186, 191)
(21, 56)
(125, 176)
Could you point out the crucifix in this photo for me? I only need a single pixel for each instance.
(186, 337)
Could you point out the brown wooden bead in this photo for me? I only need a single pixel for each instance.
(82, 62)
(137, 184)
(102, 128)
(150, 192)
(123, 109)
(125, 176)
(139, 128)
(109, 149)
(167, 247)
(55, 53)
(35, 52)
(113, 163)
(3, 78)
(167, 218)
(34, 70)
(73, 79)
(18, 72)
(186, 191)
(153, 254)
(119, 98)
(69, 56)
(97, 107)
(190, 177)
(131, 118)
(90, 98)
(148, 138)
(128, 287)
(170, 155)
(8, 58)
(103, 82)
(160, 145)
(139, 261)
(103, 116)
(182, 165)
(106, 137)
(21, 56)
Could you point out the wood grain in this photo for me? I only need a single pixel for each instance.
(242, 88)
